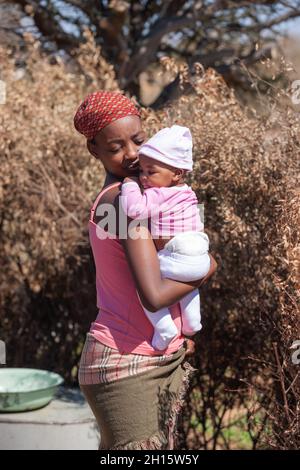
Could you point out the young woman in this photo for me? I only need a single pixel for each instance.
(134, 391)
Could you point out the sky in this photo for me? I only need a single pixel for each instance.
(292, 27)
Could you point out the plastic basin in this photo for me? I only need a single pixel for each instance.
(26, 389)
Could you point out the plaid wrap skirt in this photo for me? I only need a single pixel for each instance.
(136, 399)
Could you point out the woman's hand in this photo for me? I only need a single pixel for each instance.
(190, 347)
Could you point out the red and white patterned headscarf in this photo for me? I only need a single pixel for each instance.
(100, 109)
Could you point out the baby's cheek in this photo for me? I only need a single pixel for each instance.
(160, 179)
(152, 180)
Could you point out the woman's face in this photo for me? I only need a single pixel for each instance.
(117, 144)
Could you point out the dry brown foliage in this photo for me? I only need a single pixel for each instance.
(285, 415)
(246, 174)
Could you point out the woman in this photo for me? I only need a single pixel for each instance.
(134, 391)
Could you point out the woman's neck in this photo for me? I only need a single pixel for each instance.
(110, 179)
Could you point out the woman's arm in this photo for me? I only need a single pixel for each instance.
(155, 292)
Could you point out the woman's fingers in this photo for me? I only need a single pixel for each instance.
(212, 270)
(190, 347)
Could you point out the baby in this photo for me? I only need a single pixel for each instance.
(176, 227)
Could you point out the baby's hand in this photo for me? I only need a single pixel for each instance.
(131, 179)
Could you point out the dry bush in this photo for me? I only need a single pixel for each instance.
(48, 184)
(246, 168)
(285, 414)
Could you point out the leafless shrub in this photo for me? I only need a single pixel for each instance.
(246, 174)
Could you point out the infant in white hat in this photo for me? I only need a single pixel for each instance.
(172, 207)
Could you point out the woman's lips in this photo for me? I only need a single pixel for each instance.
(133, 169)
(133, 166)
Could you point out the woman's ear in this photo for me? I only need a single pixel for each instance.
(91, 146)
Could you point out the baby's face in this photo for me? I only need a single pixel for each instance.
(154, 174)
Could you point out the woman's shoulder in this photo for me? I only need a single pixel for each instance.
(109, 193)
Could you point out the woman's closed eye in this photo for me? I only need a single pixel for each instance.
(116, 150)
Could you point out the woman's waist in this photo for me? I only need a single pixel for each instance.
(130, 320)
(142, 347)
(132, 330)
(101, 363)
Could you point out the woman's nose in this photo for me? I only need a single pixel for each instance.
(131, 152)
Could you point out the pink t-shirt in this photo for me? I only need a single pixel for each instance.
(121, 322)
(172, 209)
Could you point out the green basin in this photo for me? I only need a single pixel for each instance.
(26, 389)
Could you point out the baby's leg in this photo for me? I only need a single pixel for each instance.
(164, 328)
(185, 258)
(190, 313)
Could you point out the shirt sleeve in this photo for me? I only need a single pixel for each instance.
(140, 206)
